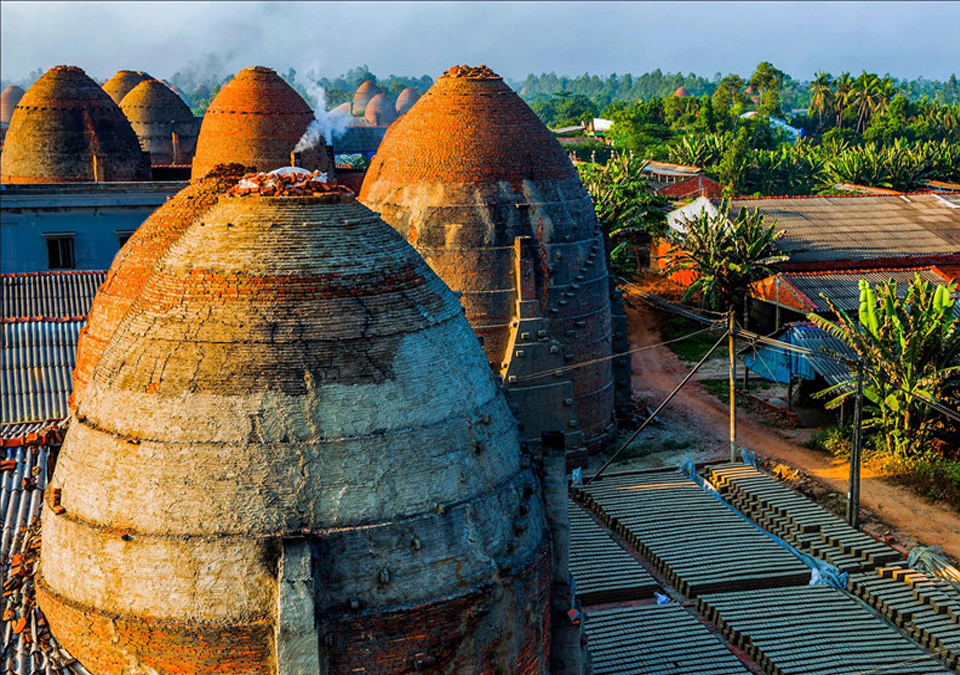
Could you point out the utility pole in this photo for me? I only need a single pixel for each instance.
(853, 496)
(733, 386)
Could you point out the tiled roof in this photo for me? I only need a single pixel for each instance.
(692, 187)
(36, 362)
(50, 295)
(26, 463)
(863, 227)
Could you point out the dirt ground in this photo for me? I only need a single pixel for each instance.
(695, 426)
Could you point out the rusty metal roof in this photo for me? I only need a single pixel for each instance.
(820, 229)
(51, 295)
(842, 288)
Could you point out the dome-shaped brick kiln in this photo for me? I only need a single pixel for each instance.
(134, 263)
(123, 82)
(65, 129)
(365, 92)
(380, 111)
(463, 175)
(256, 120)
(8, 101)
(292, 452)
(164, 124)
(406, 99)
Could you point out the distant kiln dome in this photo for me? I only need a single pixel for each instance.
(132, 266)
(256, 120)
(123, 82)
(681, 92)
(294, 399)
(467, 170)
(8, 101)
(380, 111)
(66, 129)
(361, 98)
(406, 99)
(342, 109)
(164, 124)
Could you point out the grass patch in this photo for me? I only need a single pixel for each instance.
(720, 387)
(693, 348)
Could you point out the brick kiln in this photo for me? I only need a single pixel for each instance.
(8, 101)
(481, 188)
(406, 99)
(380, 111)
(256, 120)
(65, 129)
(123, 82)
(291, 457)
(164, 124)
(362, 96)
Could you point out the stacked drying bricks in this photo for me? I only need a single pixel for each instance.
(65, 129)
(814, 629)
(256, 119)
(157, 116)
(290, 369)
(806, 526)
(922, 604)
(698, 544)
(463, 173)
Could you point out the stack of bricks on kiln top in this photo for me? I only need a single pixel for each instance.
(135, 261)
(8, 101)
(256, 119)
(164, 124)
(291, 365)
(66, 129)
(462, 174)
(123, 82)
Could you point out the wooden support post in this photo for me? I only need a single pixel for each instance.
(853, 496)
(733, 385)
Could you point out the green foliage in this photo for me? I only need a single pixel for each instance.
(910, 348)
(727, 255)
(835, 441)
(564, 109)
(733, 166)
(693, 347)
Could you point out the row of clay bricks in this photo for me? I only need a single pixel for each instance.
(814, 629)
(781, 511)
(922, 604)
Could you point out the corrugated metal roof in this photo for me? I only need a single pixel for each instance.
(51, 295)
(28, 647)
(822, 347)
(863, 227)
(36, 363)
(843, 287)
(359, 140)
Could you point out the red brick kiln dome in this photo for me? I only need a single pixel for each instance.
(406, 99)
(123, 82)
(134, 263)
(293, 377)
(255, 120)
(164, 124)
(362, 96)
(681, 92)
(66, 128)
(380, 111)
(8, 101)
(467, 170)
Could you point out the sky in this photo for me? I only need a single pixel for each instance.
(905, 39)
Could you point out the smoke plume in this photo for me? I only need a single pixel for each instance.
(327, 126)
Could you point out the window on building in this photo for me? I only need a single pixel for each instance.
(124, 236)
(60, 253)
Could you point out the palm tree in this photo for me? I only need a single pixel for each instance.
(909, 348)
(822, 96)
(727, 255)
(866, 93)
(844, 86)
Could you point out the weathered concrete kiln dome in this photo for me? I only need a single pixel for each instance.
(468, 170)
(66, 128)
(123, 82)
(8, 101)
(164, 124)
(406, 99)
(292, 451)
(380, 111)
(365, 92)
(255, 120)
(133, 264)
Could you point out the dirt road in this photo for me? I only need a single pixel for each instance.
(657, 371)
